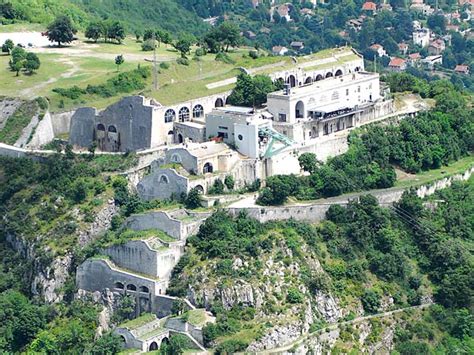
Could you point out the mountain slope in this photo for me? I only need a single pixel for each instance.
(142, 14)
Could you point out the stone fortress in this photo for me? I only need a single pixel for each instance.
(200, 141)
(320, 98)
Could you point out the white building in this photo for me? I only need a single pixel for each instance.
(421, 37)
(326, 106)
(241, 127)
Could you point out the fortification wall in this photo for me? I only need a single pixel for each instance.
(62, 122)
(43, 133)
(317, 212)
(156, 220)
(135, 255)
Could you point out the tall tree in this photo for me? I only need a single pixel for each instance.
(61, 30)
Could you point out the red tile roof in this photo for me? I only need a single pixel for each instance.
(369, 6)
(414, 56)
(461, 68)
(396, 62)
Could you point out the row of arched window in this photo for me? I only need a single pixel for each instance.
(111, 128)
(131, 287)
(292, 79)
(183, 114)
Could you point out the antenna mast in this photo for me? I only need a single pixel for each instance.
(155, 73)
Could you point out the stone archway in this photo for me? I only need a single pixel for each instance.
(308, 80)
(208, 168)
(153, 346)
(199, 189)
(180, 138)
(328, 75)
(292, 81)
(319, 77)
(219, 102)
(338, 72)
(299, 109)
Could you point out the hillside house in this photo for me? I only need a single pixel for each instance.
(397, 64)
(462, 69)
(436, 47)
(279, 50)
(378, 48)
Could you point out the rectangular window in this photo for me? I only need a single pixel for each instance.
(282, 117)
(347, 92)
(222, 135)
(223, 127)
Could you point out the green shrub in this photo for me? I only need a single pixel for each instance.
(223, 57)
(231, 346)
(294, 295)
(370, 301)
(182, 61)
(164, 65)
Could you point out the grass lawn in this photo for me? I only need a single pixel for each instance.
(88, 63)
(431, 175)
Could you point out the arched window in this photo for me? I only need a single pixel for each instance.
(119, 285)
(299, 109)
(207, 168)
(357, 69)
(199, 189)
(176, 158)
(131, 287)
(308, 80)
(292, 81)
(180, 138)
(339, 72)
(170, 115)
(144, 289)
(112, 129)
(219, 103)
(329, 74)
(198, 111)
(100, 127)
(163, 179)
(183, 114)
(153, 346)
(319, 77)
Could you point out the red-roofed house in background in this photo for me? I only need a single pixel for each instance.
(377, 48)
(369, 7)
(464, 2)
(397, 64)
(462, 69)
(414, 58)
(403, 48)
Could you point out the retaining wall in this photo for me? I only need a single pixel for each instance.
(317, 212)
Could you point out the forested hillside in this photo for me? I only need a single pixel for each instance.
(137, 15)
(364, 259)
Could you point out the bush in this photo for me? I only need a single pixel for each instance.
(294, 295)
(42, 102)
(148, 45)
(229, 182)
(223, 57)
(200, 52)
(193, 199)
(253, 54)
(217, 188)
(370, 301)
(231, 346)
(164, 65)
(182, 61)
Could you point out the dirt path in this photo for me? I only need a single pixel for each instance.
(334, 326)
(32, 92)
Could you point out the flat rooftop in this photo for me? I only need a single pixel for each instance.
(200, 150)
(326, 84)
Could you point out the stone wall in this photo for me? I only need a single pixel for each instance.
(162, 184)
(138, 256)
(43, 133)
(168, 222)
(61, 122)
(317, 212)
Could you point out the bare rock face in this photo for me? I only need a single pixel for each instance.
(276, 337)
(327, 307)
(101, 223)
(48, 276)
(48, 280)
